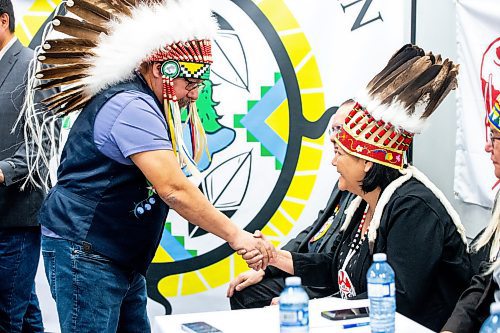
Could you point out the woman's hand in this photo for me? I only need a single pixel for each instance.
(245, 279)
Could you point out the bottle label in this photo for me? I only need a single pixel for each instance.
(294, 317)
(381, 289)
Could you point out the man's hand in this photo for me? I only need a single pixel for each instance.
(256, 249)
(252, 259)
(2, 178)
(245, 279)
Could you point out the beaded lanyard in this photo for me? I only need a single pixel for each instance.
(346, 287)
(325, 226)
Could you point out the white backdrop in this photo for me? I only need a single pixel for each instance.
(478, 42)
(278, 66)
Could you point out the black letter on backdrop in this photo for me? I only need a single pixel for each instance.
(358, 23)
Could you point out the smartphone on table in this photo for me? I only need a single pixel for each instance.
(199, 327)
(344, 314)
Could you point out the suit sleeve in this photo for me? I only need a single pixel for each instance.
(466, 317)
(15, 167)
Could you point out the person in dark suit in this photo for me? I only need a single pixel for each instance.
(254, 289)
(19, 229)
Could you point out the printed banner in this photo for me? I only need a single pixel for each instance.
(280, 69)
(478, 41)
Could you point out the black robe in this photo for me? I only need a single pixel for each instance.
(423, 247)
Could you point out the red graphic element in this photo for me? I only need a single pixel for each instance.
(490, 77)
(345, 285)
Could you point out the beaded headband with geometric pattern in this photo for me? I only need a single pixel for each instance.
(395, 106)
(494, 115)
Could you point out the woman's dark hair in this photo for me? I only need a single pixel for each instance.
(378, 176)
(6, 7)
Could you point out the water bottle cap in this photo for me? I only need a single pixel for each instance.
(379, 257)
(495, 307)
(293, 281)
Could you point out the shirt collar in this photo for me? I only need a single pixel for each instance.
(7, 47)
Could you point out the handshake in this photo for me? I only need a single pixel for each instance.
(255, 249)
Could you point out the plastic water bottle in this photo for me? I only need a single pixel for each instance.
(382, 295)
(492, 323)
(294, 307)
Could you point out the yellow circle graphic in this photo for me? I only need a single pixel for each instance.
(301, 186)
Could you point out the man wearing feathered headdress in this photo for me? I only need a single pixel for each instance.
(130, 66)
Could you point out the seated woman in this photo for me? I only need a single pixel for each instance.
(474, 305)
(398, 210)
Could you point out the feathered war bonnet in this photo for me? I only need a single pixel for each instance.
(107, 40)
(395, 105)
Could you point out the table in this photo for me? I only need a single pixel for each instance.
(266, 320)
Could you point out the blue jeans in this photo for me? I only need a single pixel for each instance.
(92, 293)
(19, 255)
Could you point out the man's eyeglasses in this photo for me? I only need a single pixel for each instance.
(193, 84)
(493, 138)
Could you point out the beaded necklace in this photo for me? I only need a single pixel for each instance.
(346, 287)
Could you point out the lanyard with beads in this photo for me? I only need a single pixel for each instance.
(356, 243)
(346, 287)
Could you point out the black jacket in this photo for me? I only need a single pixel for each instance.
(423, 247)
(18, 208)
(300, 243)
(473, 307)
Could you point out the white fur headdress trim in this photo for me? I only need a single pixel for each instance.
(394, 113)
(386, 195)
(151, 27)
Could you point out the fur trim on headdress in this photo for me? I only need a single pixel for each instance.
(385, 196)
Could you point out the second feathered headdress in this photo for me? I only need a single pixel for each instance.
(395, 105)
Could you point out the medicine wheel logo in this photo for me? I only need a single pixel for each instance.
(264, 114)
(263, 111)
